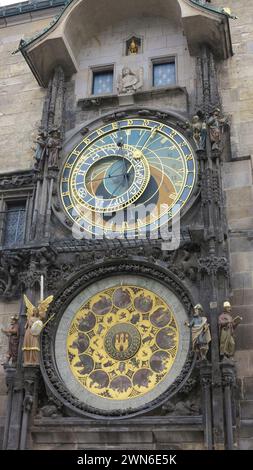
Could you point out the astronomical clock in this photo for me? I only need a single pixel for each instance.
(127, 177)
(120, 345)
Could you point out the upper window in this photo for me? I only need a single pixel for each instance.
(14, 227)
(102, 82)
(164, 73)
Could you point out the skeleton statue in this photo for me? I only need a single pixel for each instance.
(198, 127)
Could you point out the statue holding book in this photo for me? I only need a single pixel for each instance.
(227, 325)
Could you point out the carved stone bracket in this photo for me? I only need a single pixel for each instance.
(17, 180)
(214, 264)
(228, 373)
(21, 269)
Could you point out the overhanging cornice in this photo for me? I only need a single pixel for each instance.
(60, 43)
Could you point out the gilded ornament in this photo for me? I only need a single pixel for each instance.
(124, 352)
(33, 328)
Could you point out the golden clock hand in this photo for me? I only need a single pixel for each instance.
(151, 136)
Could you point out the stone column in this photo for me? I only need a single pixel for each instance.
(31, 377)
(206, 385)
(14, 409)
(228, 382)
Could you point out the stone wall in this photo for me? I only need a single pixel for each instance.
(236, 77)
(6, 310)
(21, 98)
(237, 97)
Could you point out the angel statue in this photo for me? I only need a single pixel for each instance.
(33, 328)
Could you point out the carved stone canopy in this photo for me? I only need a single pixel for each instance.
(61, 42)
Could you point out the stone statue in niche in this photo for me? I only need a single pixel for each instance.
(200, 332)
(13, 334)
(216, 125)
(227, 325)
(54, 147)
(41, 149)
(198, 127)
(129, 82)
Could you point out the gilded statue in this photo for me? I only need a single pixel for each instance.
(133, 47)
(200, 332)
(33, 328)
(227, 325)
(13, 335)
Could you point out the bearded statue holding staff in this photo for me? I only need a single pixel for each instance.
(33, 328)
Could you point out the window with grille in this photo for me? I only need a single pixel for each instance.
(164, 73)
(14, 226)
(102, 82)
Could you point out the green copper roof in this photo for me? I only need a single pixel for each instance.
(30, 6)
(200, 3)
(207, 6)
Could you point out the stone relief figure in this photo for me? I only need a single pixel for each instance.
(198, 126)
(200, 332)
(33, 328)
(216, 126)
(227, 325)
(182, 408)
(54, 147)
(50, 410)
(13, 334)
(41, 148)
(129, 82)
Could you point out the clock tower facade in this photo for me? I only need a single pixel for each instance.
(124, 218)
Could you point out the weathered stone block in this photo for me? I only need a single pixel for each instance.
(244, 337)
(244, 363)
(248, 388)
(246, 409)
(242, 280)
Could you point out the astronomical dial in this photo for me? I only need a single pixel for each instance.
(128, 177)
(122, 343)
